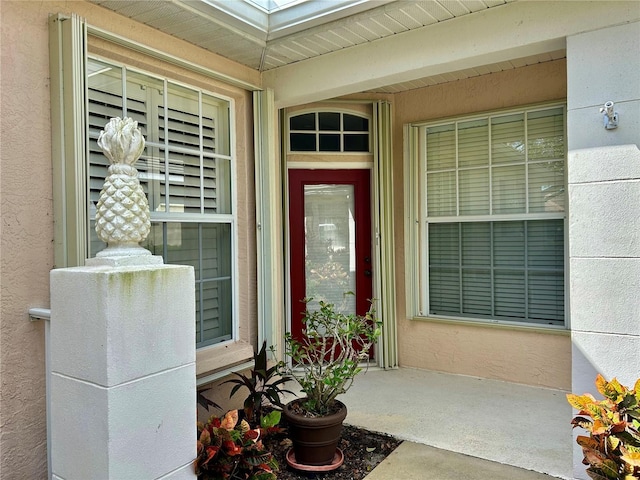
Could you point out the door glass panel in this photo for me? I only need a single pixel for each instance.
(330, 260)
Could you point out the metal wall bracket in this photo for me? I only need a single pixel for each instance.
(610, 117)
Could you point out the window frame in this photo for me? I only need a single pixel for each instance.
(317, 131)
(166, 218)
(417, 221)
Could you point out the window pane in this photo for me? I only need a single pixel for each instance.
(546, 187)
(545, 244)
(216, 184)
(476, 244)
(441, 194)
(303, 142)
(95, 244)
(354, 123)
(152, 173)
(329, 121)
(545, 259)
(358, 142)
(546, 297)
(444, 241)
(441, 147)
(214, 306)
(476, 282)
(473, 143)
(179, 128)
(507, 139)
(444, 270)
(215, 287)
(545, 134)
(198, 316)
(509, 294)
(444, 291)
(98, 171)
(306, 121)
(329, 142)
(216, 134)
(143, 95)
(104, 83)
(216, 251)
(509, 189)
(474, 191)
(182, 245)
(476, 292)
(509, 244)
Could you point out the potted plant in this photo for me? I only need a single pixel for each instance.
(324, 360)
(612, 449)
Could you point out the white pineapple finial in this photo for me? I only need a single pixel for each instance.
(122, 213)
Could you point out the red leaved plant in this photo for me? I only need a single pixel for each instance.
(228, 449)
(612, 450)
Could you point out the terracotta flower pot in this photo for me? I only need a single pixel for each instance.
(315, 439)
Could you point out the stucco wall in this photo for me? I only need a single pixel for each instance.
(534, 357)
(27, 234)
(26, 210)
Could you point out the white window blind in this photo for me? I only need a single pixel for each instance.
(495, 198)
(185, 171)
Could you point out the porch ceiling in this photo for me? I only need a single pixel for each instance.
(266, 39)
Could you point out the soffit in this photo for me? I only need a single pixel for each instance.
(267, 39)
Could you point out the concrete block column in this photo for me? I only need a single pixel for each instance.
(604, 209)
(123, 389)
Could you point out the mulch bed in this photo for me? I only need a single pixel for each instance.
(362, 449)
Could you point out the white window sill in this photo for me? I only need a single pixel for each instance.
(531, 327)
(215, 361)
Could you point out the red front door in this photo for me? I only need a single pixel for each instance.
(330, 240)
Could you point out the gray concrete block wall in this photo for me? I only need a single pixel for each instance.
(604, 208)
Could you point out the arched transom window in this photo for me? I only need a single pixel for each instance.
(328, 132)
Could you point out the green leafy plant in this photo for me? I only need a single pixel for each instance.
(264, 384)
(228, 449)
(612, 450)
(329, 354)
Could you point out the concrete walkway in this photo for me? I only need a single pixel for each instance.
(414, 461)
(469, 420)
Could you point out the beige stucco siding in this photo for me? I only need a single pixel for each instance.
(534, 357)
(27, 236)
(27, 207)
